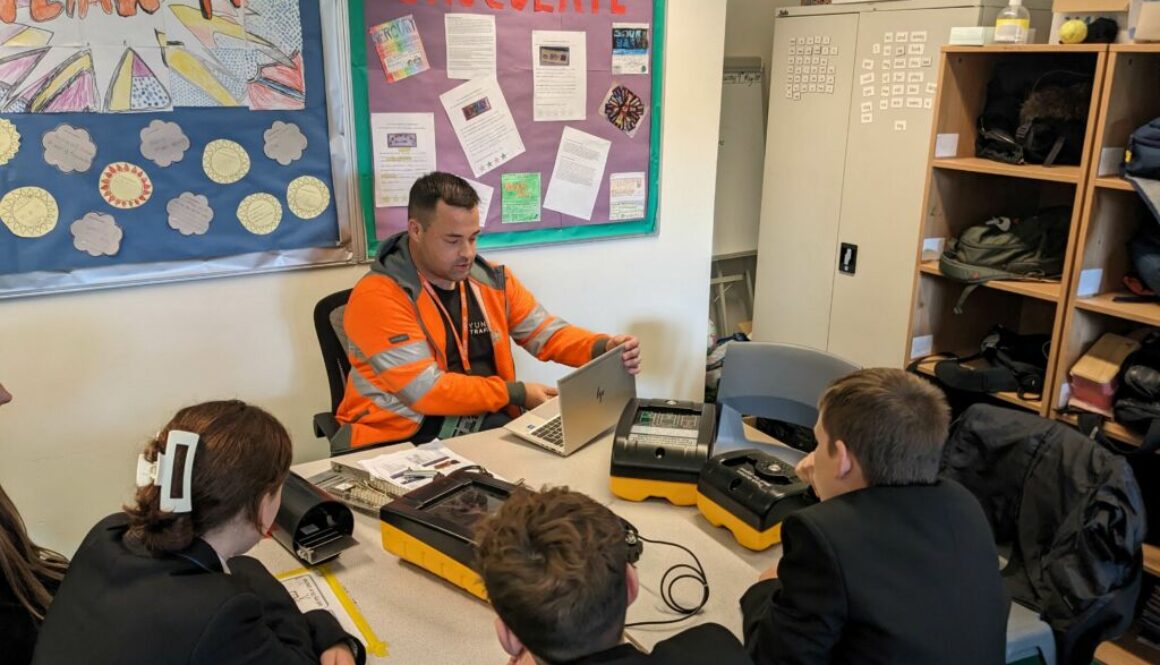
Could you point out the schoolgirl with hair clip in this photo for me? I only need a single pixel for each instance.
(165, 582)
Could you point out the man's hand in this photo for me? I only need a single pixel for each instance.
(805, 469)
(631, 351)
(5, 396)
(338, 654)
(769, 574)
(537, 394)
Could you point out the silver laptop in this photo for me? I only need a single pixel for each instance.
(590, 402)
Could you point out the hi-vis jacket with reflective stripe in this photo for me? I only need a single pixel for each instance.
(396, 340)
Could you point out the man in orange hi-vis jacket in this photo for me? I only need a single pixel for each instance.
(428, 331)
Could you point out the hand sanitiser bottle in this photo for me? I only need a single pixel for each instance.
(1013, 24)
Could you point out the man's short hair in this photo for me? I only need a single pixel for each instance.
(554, 565)
(438, 186)
(894, 423)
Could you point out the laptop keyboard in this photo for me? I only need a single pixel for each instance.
(551, 431)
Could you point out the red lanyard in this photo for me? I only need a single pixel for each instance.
(460, 338)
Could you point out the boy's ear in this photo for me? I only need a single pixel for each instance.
(507, 639)
(632, 581)
(845, 461)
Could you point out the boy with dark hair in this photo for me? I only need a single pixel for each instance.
(555, 565)
(894, 565)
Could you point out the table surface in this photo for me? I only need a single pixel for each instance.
(419, 616)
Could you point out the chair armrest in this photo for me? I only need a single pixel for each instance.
(325, 425)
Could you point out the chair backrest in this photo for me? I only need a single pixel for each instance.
(779, 381)
(332, 340)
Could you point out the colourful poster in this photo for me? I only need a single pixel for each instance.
(630, 48)
(400, 48)
(521, 197)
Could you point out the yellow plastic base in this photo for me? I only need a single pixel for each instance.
(407, 548)
(639, 489)
(746, 535)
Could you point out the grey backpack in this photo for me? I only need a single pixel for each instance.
(1008, 248)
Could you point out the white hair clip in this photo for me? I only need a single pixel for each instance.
(172, 472)
(147, 471)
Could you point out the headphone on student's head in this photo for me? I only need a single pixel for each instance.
(676, 573)
(632, 541)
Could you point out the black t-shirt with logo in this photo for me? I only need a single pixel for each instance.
(479, 347)
(480, 352)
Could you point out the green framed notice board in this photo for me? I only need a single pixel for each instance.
(550, 108)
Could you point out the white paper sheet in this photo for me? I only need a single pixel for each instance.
(560, 75)
(483, 123)
(394, 467)
(311, 591)
(470, 45)
(404, 151)
(627, 193)
(578, 173)
(486, 192)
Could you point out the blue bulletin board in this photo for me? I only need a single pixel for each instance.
(182, 139)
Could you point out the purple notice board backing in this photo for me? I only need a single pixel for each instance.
(515, 21)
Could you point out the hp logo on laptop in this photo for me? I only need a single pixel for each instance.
(600, 395)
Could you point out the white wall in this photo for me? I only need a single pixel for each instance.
(95, 374)
(749, 30)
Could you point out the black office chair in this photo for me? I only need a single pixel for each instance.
(328, 326)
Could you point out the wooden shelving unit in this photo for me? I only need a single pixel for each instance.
(1112, 213)
(1071, 174)
(1147, 314)
(1152, 560)
(964, 190)
(1113, 182)
(1110, 653)
(1046, 290)
(1113, 430)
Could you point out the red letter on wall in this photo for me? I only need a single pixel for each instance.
(129, 7)
(81, 7)
(207, 7)
(519, 5)
(8, 11)
(541, 7)
(494, 4)
(45, 10)
(617, 8)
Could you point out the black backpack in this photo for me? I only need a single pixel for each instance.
(1033, 115)
(1142, 164)
(1008, 248)
(1138, 398)
(1142, 158)
(1006, 362)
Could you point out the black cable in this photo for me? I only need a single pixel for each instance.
(686, 572)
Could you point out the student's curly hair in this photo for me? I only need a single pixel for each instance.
(554, 564)
(244, 454)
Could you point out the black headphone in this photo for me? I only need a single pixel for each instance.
(632, 540)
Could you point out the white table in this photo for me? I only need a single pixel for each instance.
(424, 619)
